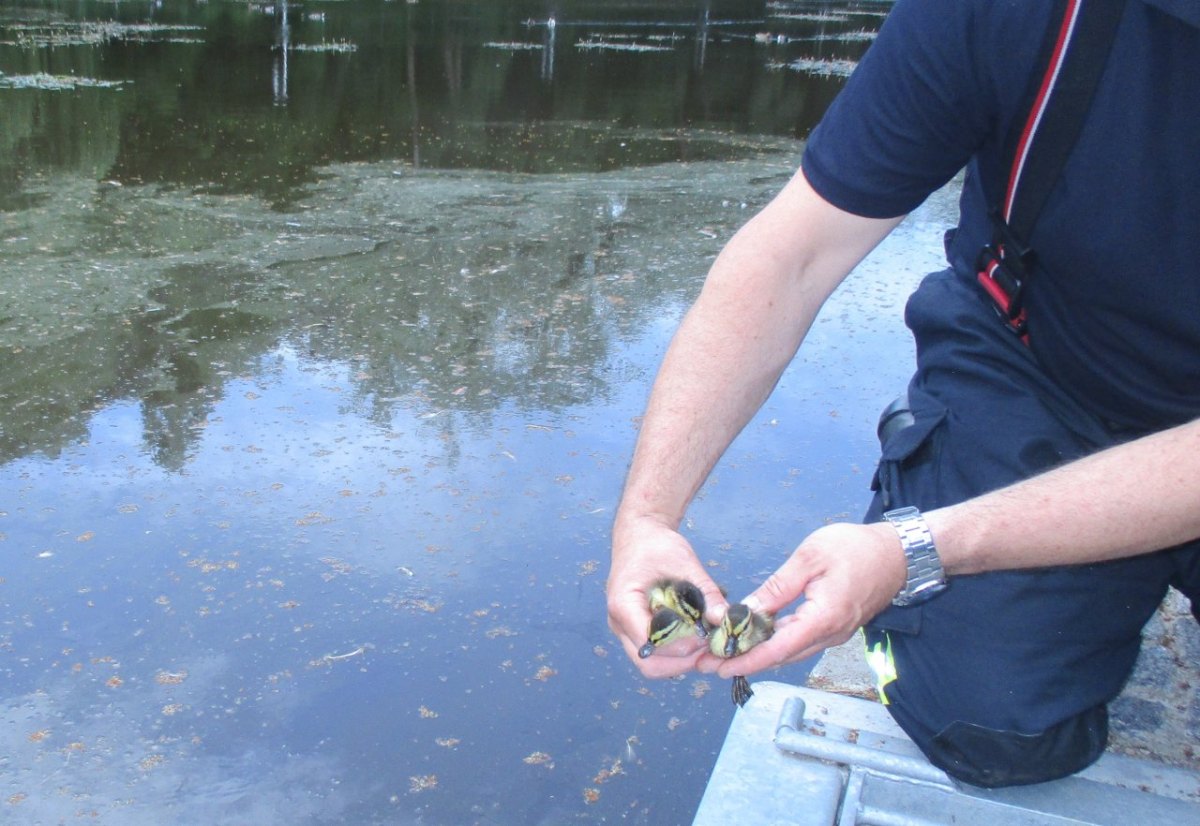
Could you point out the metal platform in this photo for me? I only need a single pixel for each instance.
(812, 758)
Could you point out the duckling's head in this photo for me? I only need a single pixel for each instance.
(676, 606)
(682, 597)
(665, 626)
(740, 630)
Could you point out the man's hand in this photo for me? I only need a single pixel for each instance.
(645, 551)
(846, 573)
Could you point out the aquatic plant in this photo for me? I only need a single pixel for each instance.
(47, 82)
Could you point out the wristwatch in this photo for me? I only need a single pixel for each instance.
(926, 577)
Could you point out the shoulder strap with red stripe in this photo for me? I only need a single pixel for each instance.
(1056, 117)
(1074, 57)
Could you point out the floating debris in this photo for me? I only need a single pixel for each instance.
(621, 46)
(55, 83)
(820, 67)
(425, 605)
(208, 566)
(539, 758)
(820, 17)
(92, 33)
(170, 677)
(422, 783)
(859, 36)
(333, 658)
(608, 773)
(150, 761)
(337, 46)
(512, 46)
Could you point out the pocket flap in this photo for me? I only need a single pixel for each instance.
(927, 413)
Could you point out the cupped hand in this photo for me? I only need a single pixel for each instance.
(644, 552)
(847, 573)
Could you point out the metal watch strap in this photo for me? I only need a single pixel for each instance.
(926, 577)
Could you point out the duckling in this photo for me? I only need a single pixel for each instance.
(740, 630)
(676, 606)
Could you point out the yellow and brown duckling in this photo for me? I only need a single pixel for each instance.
(676, 608)
(739, 631)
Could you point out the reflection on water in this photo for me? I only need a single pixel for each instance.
(315, 402)
(463, 292)
(257, 97)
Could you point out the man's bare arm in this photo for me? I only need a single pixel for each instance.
(1135, 498)
(758, 301)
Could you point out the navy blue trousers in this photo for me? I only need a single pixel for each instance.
(1004, 678)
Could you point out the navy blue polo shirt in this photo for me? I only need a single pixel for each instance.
(1114, 304)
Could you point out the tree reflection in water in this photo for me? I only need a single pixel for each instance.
(323, 338)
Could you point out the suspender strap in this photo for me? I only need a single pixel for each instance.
(1077, 53)
(1057, 115)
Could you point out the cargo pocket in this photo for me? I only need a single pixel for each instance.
(907, 471)
(907, 474)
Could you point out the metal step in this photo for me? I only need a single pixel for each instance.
(808, 757)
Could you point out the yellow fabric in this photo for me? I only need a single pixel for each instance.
(879, 658)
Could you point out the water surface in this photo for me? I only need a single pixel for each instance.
(324, 331)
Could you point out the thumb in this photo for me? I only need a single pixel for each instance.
(715, 601)
(783, 587)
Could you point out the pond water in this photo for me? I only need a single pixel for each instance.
(324, 331)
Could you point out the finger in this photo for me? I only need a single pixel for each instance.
(715, 602)
(708, 663)
(629, 612)
(805, 634)
(784, 586)
(671, 660)
(771, 654)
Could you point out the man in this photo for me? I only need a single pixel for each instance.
(1058, 476)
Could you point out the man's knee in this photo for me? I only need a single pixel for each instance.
(992, 758)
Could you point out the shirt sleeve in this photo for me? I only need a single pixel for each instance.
(921, 102)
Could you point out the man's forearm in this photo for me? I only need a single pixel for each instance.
(725, 358)
(1134, 498)
(758, 301)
